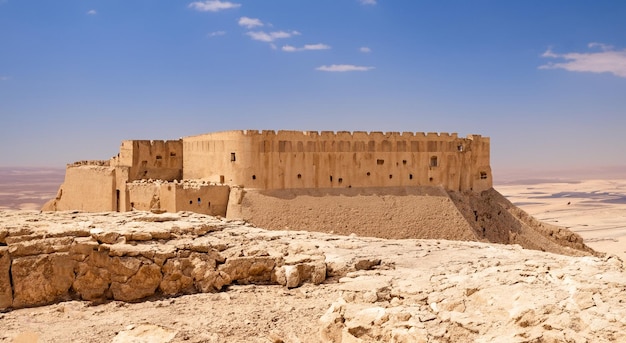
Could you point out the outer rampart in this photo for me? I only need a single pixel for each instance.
(311, 159)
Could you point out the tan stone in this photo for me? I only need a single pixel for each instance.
(138, 286)
(92, 283)
(6, 292)
(177, 277)
(246, 269)
(41, 279)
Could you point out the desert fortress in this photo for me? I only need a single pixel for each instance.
(209, 173)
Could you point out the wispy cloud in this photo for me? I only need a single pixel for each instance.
(216, 33)
(249, 22)
(365, 49)
(367, 2)
(212, 5)
(607, 60)
(343, 68)
(4, 78)
(271, 36)
(92, 12)
(289, 48)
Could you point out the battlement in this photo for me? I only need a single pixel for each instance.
(331, 135)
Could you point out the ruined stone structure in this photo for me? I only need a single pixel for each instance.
(208, 173)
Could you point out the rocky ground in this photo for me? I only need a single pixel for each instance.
(374, 289)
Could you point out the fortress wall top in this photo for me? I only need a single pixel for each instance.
(317, 159)
(325, 135)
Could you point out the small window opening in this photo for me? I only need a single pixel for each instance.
(299, 176)
(145, 172)
(368, 174)
(199, 201)
(159, 157)
(460, 147)
(380, 162)
(209, 204)
(433, 161)
(172, 154)
(190, 202)
(410, 176)
(331, 178)
(390, 176)
(221, 178)
(483, 175)
(340, 180)
(253, 177)
(232, 157)
(404, 162)
(132, 205)
(430, 179)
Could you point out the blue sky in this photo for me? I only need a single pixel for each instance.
(546, 80)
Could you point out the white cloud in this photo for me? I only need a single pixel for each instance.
(289, 48)
(250, 22)
(271, 36)
(607, 60)
(367, 2)
(92, 12)
(212, 5)
(343, 68)
(365, 49)
(216, 33)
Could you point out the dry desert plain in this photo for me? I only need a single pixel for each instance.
(375, 290)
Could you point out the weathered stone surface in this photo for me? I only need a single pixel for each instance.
(92, 283)
(40, 246)
(6, 292)
(246, 270)
(140, 285)
(41, 279)
(177, 277)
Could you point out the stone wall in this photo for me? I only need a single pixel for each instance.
(86, 188)
(156, 159)
(295, 159)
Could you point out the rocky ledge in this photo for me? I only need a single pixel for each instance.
(48, 258)
(351, 289)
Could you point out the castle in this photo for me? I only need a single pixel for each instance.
(207, 173)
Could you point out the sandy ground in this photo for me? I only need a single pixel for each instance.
(595, 209)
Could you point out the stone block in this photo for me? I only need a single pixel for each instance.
(42, 279)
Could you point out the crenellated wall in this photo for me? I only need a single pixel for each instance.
(311, 159)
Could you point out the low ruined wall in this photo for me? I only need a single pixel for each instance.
(147, 256)
(86, 188)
